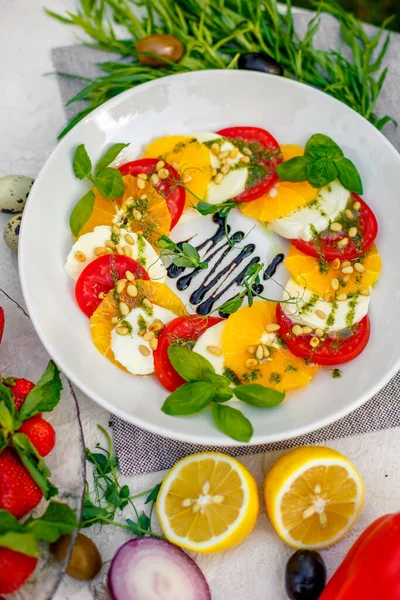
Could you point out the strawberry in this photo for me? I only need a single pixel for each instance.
(15, 568)
(20, 388)
(40, 433)
(19, 494)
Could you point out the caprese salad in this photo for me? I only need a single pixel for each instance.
(139, 283)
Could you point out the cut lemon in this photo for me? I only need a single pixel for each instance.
(208, 502)
(313, 496)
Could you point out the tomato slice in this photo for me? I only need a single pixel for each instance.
(266, 153)
(99, 277)
(184, 331)
(325, 245)
(173, 193)
(335, 350)
(1, 322)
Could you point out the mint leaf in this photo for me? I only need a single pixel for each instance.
(81, 213)
(232, 422)
(45, 395)
(81, 164)
(109, 157)
(322, 146)
(223, 393)
(348, 175)
(58, 519)
(258, 395)
(109, 182)
(189, 398)
(294, 169)
(34, 464)
(321, 172)
(190, 365)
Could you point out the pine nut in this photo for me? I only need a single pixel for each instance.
(349, 214)
(297, 330)
(115, 229)
(137, 215)
(163, 173)
(130, 276)
(128, 251)
(234, 152)
(160, 165)
(364, 292)
(352, 232)
(115, 320)
(144, 350)
(335, 264)
(266, 352)
(223, 154)
(225, 169)
(341, 297)
(314, 342)
(214, 350)
(143, 197)
(320, 314)
(346, 278)
(109, 251)
(99, 251)
(218, 178)
(215, 149)
(357, 205)
(80, 256)
(346, 263)
(250, 363)
(102, 295)
(359, 267)
(259, 353)
(244, 159)
(123, 309)
(272, 327)
(213, 172)
(148, 335)
(153, 343)
(319, 332)
(156, 325)
(119, 250)
(142, 176)
(155, 180)
(336, 226)
(146, 302)
(129, 239)
(175, 165)
(110, 244)
(335, 283)
(343, 242)
(130, 201)
(329, 297)
(141, 332)
(141, 184)
(306, 330)
(247, 151)
(187, 178)
(348, 270)
(132, 291)
(122, 330)
(121, 286)
(252, 349)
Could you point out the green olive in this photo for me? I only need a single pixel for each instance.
(85, 561)
(165, 46)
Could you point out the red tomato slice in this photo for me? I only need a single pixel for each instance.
(266, 152)
(333, 350)
(173, 193)
(1, 322)
(100, 276)
(184, 331)
(325, 246)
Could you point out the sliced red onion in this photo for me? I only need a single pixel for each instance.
(152, 569)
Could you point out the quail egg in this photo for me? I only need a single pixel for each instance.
(14, 190)
(11, 232)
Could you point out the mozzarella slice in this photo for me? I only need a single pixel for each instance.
(309, 308)
(212, 337)
(126, 347)
(316, 216)
(142, 251)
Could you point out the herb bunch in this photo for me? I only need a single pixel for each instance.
(216, 32)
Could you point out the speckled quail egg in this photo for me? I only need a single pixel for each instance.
(11, 232)
(14, 190)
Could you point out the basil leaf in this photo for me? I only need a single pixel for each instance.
(58, 519)
(34, 464)
(231, 306)
(109, 182)
(190, 251)
(109, 157)
(321, 172)
(348, 175)
(223, 394)
(81, 213)
(23, 542)
(45, 395)
(322, 146)
(81, 164)
(232, 422)
(294, 169)
(189, 398)
(182, 261)
(190, 365)
(258, 395)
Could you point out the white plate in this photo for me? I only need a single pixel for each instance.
(208, 101)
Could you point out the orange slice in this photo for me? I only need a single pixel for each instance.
(247, 328)
(104, 211)
(100, 322)
(192, 159)
(306, 270)
(285, 196)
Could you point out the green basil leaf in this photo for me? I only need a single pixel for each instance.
(321, 172)
(109, 182)
(81, 213)
(232, 422)
(182, 261)
(45, 395)
(81, 164)
(223, 394)
(258, 395)
(57, 520)
(294, 169)
(109, 157)
(348, 175)
(231, 306)
(23, 542)
(189, 398)
(322, 146)
(190, 251)
(34, 464)
(190, 365)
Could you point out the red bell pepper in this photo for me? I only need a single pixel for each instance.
(371, 568)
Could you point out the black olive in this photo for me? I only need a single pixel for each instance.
(258, 61)
(305, 575)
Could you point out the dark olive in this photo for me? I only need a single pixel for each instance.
(165, 46)
(305, 575)
(258, 61)
(85, 561)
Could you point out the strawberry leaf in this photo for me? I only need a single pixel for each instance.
(34, 464)
(45, 395)
(13, 535)
(6, 398)
(57, 520)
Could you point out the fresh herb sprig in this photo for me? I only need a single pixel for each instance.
(181, 255)
(322, 163)
(108, 181)
(205, 387)
(216, 32)
(109, 498)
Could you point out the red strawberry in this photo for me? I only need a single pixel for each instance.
(40, 433)
(15, 568)
(19, 494)
(20, 388)
(1, 323)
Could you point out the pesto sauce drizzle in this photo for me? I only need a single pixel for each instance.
(127, 325)
(231, 375)
(307, 308)
(331, 317)
(275, 378)
(352, 312)
(141, 246)
(142, 323)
